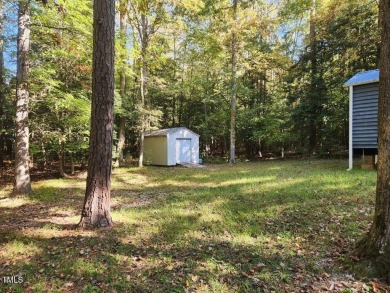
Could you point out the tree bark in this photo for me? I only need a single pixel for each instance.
(142, 135)
(22, 185)
(44, 158)
(232, 159)
(122, 139)
(122, 80)
(71, 164)
(144, 83)
(313, 80)
(2, 85)
(377, 241)
(61, 158)
(96, 209)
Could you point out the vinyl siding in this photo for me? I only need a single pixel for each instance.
(365, 116)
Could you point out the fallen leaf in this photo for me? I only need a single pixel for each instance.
(260, 265)
(299, 277)
(375, 286)
(331, 287)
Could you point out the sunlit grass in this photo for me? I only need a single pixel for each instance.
(225, 228)
(18, 249)
(14, 202)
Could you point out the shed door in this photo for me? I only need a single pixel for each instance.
(183, 150)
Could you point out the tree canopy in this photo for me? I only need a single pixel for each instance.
(174, 63)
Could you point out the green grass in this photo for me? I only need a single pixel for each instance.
(268, 226)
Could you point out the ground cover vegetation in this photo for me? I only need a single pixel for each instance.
(278, 226)
(251, 77)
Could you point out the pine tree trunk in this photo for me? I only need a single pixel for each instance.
(22, 185)
(96, 209)
(232, 159)
(2, 85)
(378, 239)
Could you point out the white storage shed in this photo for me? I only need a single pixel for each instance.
(168, 147)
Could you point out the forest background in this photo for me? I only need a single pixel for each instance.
(174, 68)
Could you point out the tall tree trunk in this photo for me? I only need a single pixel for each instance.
(22, 185)
(142, 136)
(144, 88)
(206, 136)
(377, 240)
(174, 78)
(122, 80)
(2, 85)
(313, 82)
(232, 159)
(96, 209)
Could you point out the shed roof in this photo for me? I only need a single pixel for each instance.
(166, 131)
(363, 78)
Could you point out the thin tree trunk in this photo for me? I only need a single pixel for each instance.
(122, 139)
(71, 164)
(144, 88)
(61, 158)
(206, 138)
(44, 158)
(313, 82)
(22, 184)
(174, 78)
(174, 111)
(234, 88)
(122, 81)
(142, 136)
(377, 240)
(31, 160)
(96, 209)
(2, 85)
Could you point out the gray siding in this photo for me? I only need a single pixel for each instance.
(365, 116)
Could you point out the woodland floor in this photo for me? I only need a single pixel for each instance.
(271, 226)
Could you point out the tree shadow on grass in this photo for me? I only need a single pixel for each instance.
(104, 262)
(107, 261)
(224, 236)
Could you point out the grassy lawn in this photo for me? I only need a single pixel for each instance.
(279, 226)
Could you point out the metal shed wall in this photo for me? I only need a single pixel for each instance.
(180, 134)
(155, 150)
(365, 116)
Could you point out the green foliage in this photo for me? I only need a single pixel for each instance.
(290, 92)
(60, 77)
(346, 42)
